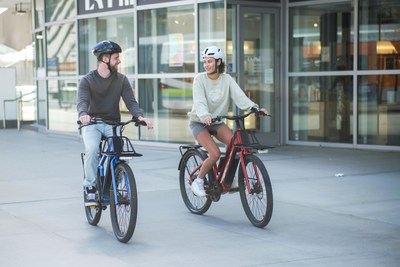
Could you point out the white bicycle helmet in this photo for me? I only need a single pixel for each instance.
(213, 51)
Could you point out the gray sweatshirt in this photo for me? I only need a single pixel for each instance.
(99, 97)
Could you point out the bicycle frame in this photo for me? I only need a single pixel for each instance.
(110, 162)
(111, 149)
(254, 185)
(235, 147)
(228, 164)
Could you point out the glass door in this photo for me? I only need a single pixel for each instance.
(258, 67)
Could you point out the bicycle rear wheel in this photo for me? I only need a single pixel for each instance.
(93, 213)
(124, 213)
(190, 161)
(256, 199)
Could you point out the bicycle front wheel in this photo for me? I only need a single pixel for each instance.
(123, 205)
(190, 161)
(256, 195)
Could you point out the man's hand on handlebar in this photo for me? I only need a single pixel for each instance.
(147, 121)
(85, 119)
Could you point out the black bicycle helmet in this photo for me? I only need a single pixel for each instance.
(105, 47)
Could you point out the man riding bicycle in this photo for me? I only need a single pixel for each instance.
(99, 94)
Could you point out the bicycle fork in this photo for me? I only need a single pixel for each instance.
(113, 163)
(246, 175)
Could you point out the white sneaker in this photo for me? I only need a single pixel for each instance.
(197, 187)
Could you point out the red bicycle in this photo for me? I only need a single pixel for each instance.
(254, 184)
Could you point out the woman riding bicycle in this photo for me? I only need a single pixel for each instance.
(212, 91)
(99, 94)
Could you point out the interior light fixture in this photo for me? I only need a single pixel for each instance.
(19, 11)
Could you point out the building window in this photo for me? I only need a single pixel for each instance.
(211, 20)
(39, 13)
(321, 37)
(39, 59)
(167, 101)
(321, 109)
(166, 40)
(61, 50)
(379, 38)
(118, 29)
(378, 110)
(57, 10)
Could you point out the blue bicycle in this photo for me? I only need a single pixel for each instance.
(115, 181)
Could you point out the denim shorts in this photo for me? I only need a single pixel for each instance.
(198, 127)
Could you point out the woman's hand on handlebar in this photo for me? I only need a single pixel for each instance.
(260, 111)
(208, 120)
(263, 112)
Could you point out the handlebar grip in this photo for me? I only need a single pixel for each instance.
(138, 123)
(218, 118)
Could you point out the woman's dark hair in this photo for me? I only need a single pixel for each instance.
(221, 67)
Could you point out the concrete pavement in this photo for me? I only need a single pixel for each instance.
(319, 219)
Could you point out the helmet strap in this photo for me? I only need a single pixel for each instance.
(107, 63)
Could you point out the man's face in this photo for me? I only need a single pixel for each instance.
(114, 61)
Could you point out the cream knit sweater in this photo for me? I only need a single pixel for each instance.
(212, 97)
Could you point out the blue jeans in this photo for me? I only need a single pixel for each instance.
(91, 137)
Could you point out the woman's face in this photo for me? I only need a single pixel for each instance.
(210, 65)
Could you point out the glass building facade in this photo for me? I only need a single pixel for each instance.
(328, 70)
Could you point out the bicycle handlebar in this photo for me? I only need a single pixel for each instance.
(94, 120)
(256, 111)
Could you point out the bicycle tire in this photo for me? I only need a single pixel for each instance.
(124, 214)
(190, 160)
(258, 203)
(93, 214)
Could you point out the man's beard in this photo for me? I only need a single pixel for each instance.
(114, 68)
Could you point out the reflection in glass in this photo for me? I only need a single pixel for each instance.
(94, 30)
(166, 40)
(379, 38)
(62, 105)
(379, 110)
(211, 27)
(59, 9)
(321, 37)
(320, 109)
(167, 101)
(61, 50)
